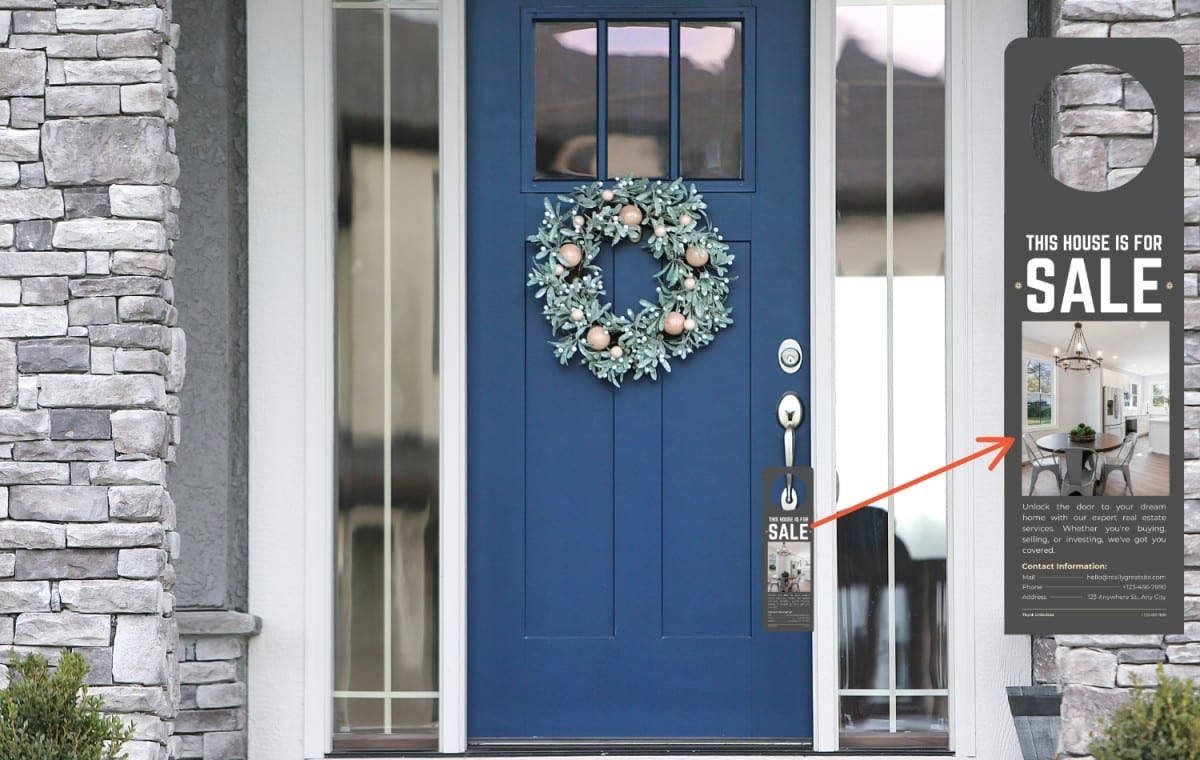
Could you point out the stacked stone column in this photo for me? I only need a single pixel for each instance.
(90, 358)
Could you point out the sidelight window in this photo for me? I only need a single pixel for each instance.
(387, 374)
(891, 367)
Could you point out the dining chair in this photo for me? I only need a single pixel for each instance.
(1041, 462)
(1080, 478)
(1120, 462)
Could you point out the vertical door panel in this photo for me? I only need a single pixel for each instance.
(568, 514)
(706, 475)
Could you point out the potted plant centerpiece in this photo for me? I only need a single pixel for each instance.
(1082, 433)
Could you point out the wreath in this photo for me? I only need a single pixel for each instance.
(692, 282)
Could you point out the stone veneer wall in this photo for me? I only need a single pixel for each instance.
(90, 359)
(1103, 128)
(209, 481)
(212, 711)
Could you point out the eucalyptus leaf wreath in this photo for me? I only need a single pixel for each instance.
(671, 221)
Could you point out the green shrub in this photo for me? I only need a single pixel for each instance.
(48, 714)
(1156, 724)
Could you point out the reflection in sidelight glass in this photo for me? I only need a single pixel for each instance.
(710, 99)
(564, 81)
(890, 361)
(639, 99)
(385, 664)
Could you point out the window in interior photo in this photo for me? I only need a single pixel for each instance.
(386, 553)
(1131, 396)
(1160, 396)
(891, 365)
(1039, 393)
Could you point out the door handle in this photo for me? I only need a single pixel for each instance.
(790, 414)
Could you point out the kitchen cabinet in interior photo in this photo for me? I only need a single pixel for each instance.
(1130, 386)
(1160, 435)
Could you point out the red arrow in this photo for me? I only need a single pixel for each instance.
(1000, 444)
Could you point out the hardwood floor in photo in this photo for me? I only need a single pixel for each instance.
(1151, 475)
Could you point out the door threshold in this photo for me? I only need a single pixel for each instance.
(636, 746)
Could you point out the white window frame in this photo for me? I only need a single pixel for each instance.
(291, 372)
(1027, 357)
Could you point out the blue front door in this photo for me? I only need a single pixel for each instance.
(615, 565)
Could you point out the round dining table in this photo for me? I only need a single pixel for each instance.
(1060, 442)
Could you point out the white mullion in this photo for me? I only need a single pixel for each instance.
(889, 215)
(387, 372)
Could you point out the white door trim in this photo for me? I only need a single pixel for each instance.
(823, 181)
(290, 371)
(983, 660)
(452, 487)
(319, 368)
(960, 568)
(291, 377)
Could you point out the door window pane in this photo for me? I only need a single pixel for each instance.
(385, 664)
(564, 79)
(639, 99)
(608, 103)
(710, 99)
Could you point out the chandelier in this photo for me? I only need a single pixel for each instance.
(1078, 356)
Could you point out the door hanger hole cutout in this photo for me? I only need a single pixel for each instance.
(1094, 127)
(780, 494)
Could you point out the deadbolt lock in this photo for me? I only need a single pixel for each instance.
(791, 356)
